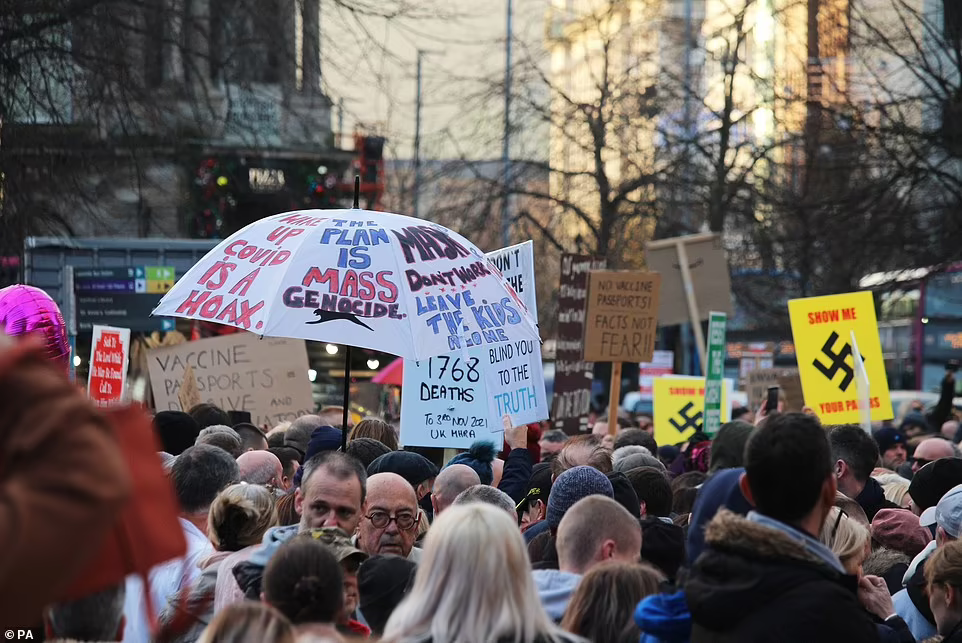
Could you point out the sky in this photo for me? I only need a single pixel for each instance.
(370, 64)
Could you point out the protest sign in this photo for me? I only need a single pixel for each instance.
(694, 273)
(189, 395)
(573, 376)
(822, 328)
(758, 381)
(238, 372)
(716, 368)
(621, 316)
(662, 363)
(680, 407)
(452, 400)
(109, 351)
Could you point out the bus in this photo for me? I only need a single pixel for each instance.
(920, 324)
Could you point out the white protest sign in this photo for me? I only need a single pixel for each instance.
(238, 372)
(452, 400)
(107, 377)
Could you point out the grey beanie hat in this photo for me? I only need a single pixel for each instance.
(573, 485)
(636, 460)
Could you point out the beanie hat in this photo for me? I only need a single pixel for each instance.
(636, 460)
(728, 448)
(177, 431)
(413, 467)
(323, 438)
(888, 437)
(899, 529)
(479, 457)
(573, 485)
(624, 493)
(382, 582)
(934, 480)
(367, 450)
(663, 545)
(720, 491)
(915, 419)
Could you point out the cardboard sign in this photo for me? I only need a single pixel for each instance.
(822, 328)
(680, 407)
(238, 372)
(573, 376)
(621, 316)
(716, 369)
(109, 351)
(452, 400)
(757, 383)
(188, 394)
(709, 276)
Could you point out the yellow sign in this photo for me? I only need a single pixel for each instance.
(822, 327)
(680, 407)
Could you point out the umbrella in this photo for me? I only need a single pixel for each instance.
(376, 280)
(392, 374)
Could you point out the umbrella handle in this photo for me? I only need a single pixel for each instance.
(347, 395)
(357, 191)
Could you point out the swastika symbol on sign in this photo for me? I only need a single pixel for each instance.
(688, 421)
(838, 362)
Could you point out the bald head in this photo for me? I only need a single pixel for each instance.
(932, 449)
(449, 484)
(497, 470)
(949, 429)
(260, 467)
(594, 530)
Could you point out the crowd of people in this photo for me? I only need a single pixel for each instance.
(779, 528)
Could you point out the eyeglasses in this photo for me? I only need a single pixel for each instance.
(381, 519)
(838, 521)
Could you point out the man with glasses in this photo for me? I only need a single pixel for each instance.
(389, 520)
(930, 450)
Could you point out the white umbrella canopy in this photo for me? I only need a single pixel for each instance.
(375, 280)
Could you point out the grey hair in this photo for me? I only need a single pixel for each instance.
(95, 617)
(341, 466)
(298, 434)
(223, 437)
(199, 474)
(555, 435)
(489, 495)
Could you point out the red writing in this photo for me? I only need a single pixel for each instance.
(237, 312)
(266, 256)
(829, 316)
(361, 285)
(842, 406)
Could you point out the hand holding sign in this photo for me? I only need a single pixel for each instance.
(516, 437)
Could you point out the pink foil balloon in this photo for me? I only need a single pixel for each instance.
(25, 310)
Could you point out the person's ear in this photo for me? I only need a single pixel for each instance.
(643, 508)
(434, 504)
(541, 509)
(298, 502)
(608, 549)
(841, 468)
(746, 489)
(951, 595)
(829, 489)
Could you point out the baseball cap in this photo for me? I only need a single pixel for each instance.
(888, 437)
(947, 514)
(934, 480)
(339, 544)
(539, 486)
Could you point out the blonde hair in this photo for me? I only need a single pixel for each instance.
(248, 621)
(473, 556)
(376, 429)
(944, 567)
(896, 491)
(239, 516)
(603, 606)
(847, 539)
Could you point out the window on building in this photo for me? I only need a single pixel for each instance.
(246, 37)
(155, 29)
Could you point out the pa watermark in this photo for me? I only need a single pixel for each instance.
(18, 635)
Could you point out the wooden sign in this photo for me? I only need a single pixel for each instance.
(189, 395)
(621, 316)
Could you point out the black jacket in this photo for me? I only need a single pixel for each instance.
(756, 584)
(872, 499)
(516, 474)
